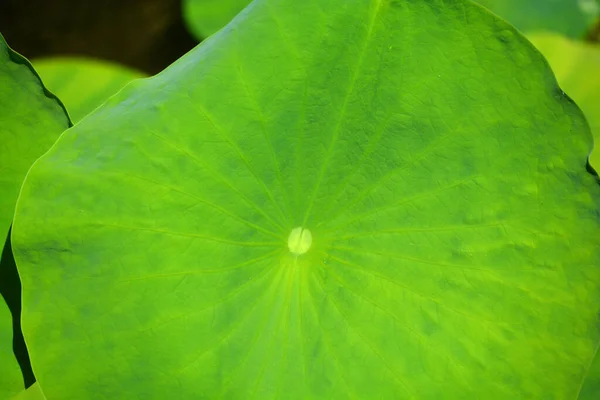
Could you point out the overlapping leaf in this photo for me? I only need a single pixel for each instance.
(426, 147)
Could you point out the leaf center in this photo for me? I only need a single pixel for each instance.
(299, 240)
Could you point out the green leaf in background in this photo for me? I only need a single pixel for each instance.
(205, 17)
(329, 199)
(83, 84)
(572, 18)
(577, 69)
(34, 392)
(32, 119)
(11, 379)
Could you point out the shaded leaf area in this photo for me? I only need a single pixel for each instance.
(424, 145)
(146, 35)
(577, 68)
(573, 18)
(83, 84)
(205, 17)
(10, 324)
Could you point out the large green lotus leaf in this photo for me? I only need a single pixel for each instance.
(326, 200)
(83, 84)
(577, 68)
(205, 17)
(31, 120)
(569, 17)
(11, 379)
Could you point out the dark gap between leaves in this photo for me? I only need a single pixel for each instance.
(10, 289)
